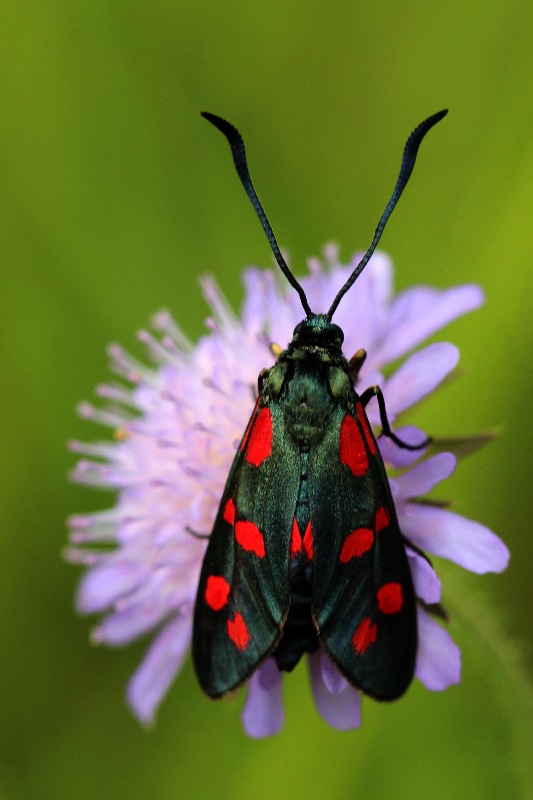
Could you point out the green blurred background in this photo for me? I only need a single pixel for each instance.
(115, 196)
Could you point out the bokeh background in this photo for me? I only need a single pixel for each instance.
(115, 196)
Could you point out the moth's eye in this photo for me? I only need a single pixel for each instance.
(338, 335)
(261, 379)
(298, 328)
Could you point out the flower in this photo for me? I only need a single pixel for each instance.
(177, 425)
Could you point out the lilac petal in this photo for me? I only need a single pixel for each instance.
(318, 289)
(123, 626)
(423, 477)
(419, 375)
(333, 680)
(419, 312)
(252, 311)
(370, 295)
(341, 710)
(222, 311)
(151, 681)
(265, 310)
(269, 311)
(443, 533)
(438, 660)
(102, 586)
(263, 713)
(425, 579)
(399, 457)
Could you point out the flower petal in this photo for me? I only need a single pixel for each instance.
(151, 681)
(443, 533)
(266, 310)
(419, 375)
(342, 709)
(425, 579)
(419, 312)
(424, 476)
(253, 308)
(438, 660)
(333, 680)
(370, 295)
(104, 585)
(122, 627)
(263, 713)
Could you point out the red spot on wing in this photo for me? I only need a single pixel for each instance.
(216, 592)
(365, 635)
(352, 447)
(238, 632)
(298, 544)
(296, 539)
(382, 518)
(248, 427)
(308, 542)
(229, 512)
(250, 537)
(356, 543)
(369, 437)
(259, 444)
(390, 598)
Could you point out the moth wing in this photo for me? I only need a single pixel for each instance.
(243, 594)
(364, 603)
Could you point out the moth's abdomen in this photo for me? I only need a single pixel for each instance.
(299, 633)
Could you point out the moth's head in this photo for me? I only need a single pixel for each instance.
(318, 331)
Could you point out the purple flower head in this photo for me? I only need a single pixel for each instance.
(177, 424)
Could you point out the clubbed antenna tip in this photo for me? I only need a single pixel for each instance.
(408, 162)
(239, 159)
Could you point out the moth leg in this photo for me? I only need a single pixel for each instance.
(197, 535)
(355, 364)
(408, 543)
(375, 391)
(435, 609)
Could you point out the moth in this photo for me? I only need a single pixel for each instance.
(306, 550)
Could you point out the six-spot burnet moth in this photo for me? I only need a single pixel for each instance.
(306, 550)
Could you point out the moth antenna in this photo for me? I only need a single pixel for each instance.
(408, 163)
(239, 159)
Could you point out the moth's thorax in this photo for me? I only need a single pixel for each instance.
(307, 405)
(308, 391)
(309, 380)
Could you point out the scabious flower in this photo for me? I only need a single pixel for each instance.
(177, 425)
